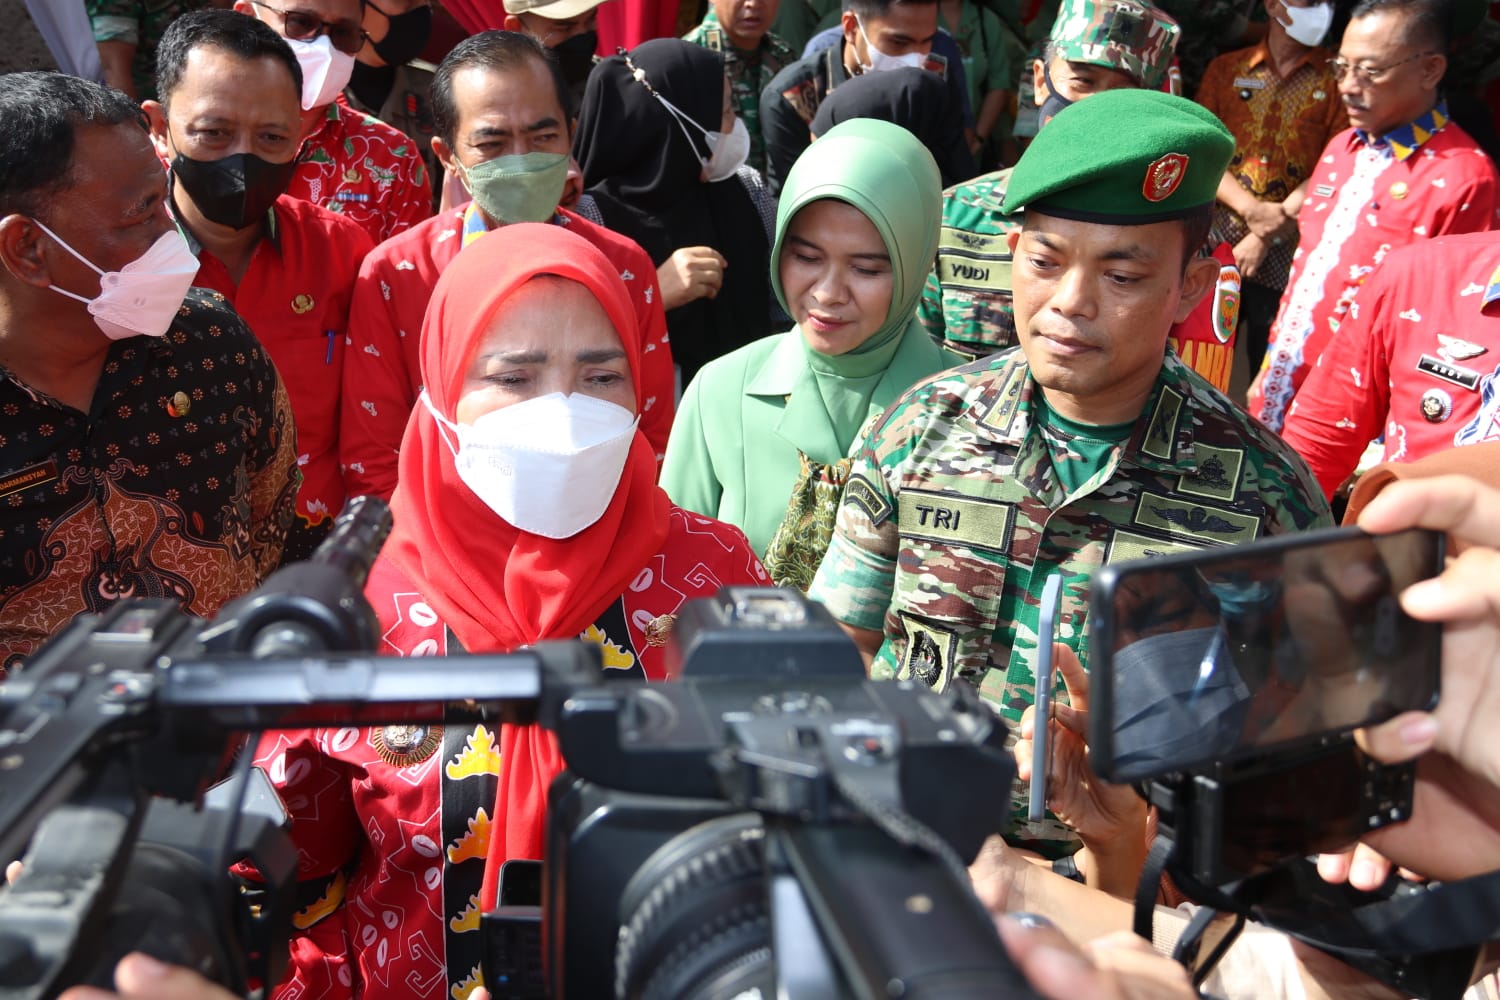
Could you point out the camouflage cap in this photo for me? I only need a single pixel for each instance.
(1123, 157)
(1121, 34)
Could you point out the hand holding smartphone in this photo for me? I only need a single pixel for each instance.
(1045, 674)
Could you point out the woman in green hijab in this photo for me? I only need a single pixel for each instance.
(762, 436)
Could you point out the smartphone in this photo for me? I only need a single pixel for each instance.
(1041, 740)
(1229, 654)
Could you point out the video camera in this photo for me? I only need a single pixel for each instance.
(769, 817)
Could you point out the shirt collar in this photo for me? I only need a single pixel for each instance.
(474, 225)
(332, 115)
(1163, 434)
(1261, 53)
(1407, 139)
(271, 231)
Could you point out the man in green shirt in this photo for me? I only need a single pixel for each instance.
(1095, 45)
(740, 30)
(1090, 443)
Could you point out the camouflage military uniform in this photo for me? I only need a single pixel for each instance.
(748, 73)
(966, 305)
(953, 518)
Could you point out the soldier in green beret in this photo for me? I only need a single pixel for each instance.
(1095, 45)
(1090, 443)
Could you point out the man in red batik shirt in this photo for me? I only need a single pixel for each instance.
(1418, 360)
(1403, 173)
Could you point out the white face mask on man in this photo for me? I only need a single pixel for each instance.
(880, 62)
(325, 70)
(141, 298)
(549, 465)
(1308, 24)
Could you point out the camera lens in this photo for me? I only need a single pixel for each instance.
(694, 922)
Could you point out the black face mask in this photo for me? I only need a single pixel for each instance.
(575, 56)
(406, 37)
(1053, 103)
(236, 191)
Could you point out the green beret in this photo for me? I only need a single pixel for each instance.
(1121, 34)
(1123, 157)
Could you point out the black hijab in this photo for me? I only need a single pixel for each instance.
(646, 176)
(916, 100)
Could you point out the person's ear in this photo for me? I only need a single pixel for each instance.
(513, 23)
(850, 24)
(1201, 279)
(245, 7)
(1039, 88)
(1013, 240)
(1433, 68)
(445, 156)
(21, 251)
(156, 124)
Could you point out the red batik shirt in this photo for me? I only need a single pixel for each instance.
(398, 821)
(295, 298)
(383, 377)
(360, 167)
(1418, 360)
(1366, 197)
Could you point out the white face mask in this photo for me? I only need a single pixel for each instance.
(549, 465)
(141, 298)
(1309, 24)
(727, 152)
(325, 70)
(880, 61)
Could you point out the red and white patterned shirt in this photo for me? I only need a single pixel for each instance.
(1418, 360)
(1365, 198)
(362, 168)
(397, 818)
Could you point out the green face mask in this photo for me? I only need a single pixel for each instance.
(519, 188)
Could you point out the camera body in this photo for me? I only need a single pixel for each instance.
(770, 722)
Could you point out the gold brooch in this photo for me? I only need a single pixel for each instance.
(405, 746)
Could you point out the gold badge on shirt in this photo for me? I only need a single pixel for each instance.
(303, 304)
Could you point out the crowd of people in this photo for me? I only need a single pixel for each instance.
(908, 304)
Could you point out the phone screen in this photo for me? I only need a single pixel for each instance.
(1219, 655)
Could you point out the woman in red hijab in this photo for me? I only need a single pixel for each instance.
(527, 509)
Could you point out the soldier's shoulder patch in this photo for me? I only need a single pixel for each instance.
(862, 494)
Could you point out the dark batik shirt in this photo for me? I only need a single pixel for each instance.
(178, 483)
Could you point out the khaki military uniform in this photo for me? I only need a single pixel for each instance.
(954, 517)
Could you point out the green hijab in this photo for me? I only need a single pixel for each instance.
(885, 172)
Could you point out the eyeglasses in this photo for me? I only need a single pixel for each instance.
(301, 26)
(1366, 74)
